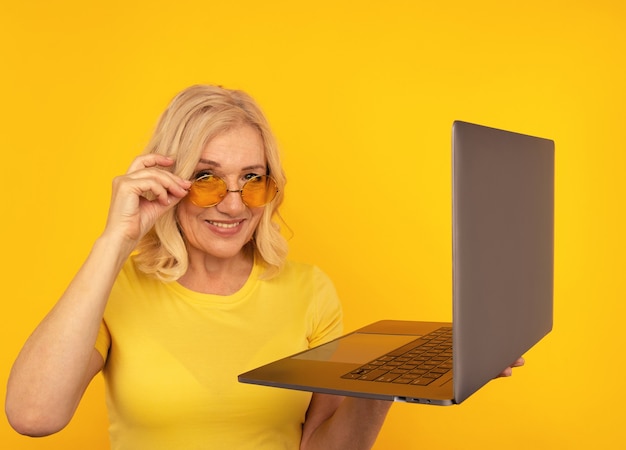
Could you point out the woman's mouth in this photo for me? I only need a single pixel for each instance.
(225, 225)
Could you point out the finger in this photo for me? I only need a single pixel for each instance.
(172, 183)
(506, 372)
(151, 185)
(150, 160)
(509, 370)
(162, 190)
(519, 362)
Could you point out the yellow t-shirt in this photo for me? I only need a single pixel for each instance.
(173, 356)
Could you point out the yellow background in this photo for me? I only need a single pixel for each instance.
(353, 90)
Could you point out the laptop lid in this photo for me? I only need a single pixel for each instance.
(503, 222)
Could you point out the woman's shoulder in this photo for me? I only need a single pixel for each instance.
(131, 277)
(304, 278)
(130, 270)
(293, 268)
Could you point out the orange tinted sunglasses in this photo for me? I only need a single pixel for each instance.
(209, 190)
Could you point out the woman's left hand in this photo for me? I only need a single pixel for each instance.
(509, 370)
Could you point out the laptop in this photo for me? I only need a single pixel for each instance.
(502, 242)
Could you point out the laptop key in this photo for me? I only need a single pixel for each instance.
(403, 380)
(387, 378)
(372, 375)
(423, 381)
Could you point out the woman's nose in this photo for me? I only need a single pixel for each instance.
(232, 202)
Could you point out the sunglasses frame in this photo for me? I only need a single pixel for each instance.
(240, 191)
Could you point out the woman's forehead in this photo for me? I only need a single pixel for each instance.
(241, 147)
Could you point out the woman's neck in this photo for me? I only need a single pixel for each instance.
(210, 275)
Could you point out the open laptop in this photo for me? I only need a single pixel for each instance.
(502, 241)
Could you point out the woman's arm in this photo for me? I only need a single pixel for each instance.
(59, 359)
(343, 423)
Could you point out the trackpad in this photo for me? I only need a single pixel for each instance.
(358, 348)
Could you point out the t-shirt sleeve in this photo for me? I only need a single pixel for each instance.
(328, 315)
(103, 341)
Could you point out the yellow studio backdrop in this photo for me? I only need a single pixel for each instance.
(354, 90)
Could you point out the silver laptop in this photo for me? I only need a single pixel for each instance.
(502, 241)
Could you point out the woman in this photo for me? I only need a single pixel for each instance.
(186, 288)
(206, 295)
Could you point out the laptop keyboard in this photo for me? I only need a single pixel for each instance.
(419, 362)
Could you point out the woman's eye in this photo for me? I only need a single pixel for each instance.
(250, 176)
(202, 174)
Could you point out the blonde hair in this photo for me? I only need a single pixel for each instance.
(192, 119)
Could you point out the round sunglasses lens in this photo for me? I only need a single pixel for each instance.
(259, 191)
(207, 191)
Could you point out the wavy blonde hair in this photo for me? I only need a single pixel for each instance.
(192, 119)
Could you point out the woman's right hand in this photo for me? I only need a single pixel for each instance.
(142, 195)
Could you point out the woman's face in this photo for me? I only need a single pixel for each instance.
(222, 230)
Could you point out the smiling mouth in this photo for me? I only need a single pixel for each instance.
(224, 225)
